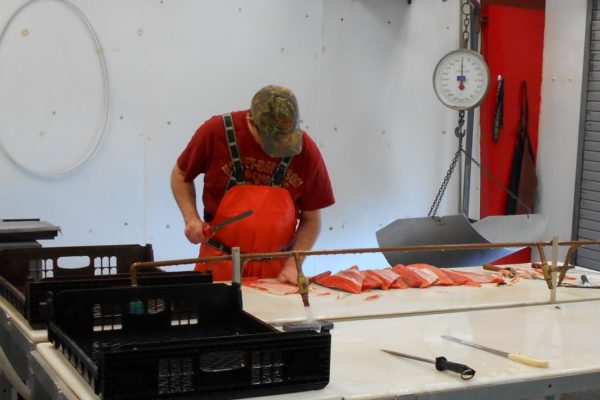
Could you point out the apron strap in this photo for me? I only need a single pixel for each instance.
(237, 172)
(280, 171)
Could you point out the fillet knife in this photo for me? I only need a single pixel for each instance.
(441, 364)
(585, 284)
(518, 357)
(210, 230)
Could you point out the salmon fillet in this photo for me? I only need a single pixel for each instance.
(442, 278)
(372, 281)
(271, 285)
(481, 277)
(349, 280)
(410, 277)
(389, 278)
(461, 279)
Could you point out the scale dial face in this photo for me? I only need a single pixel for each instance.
(461, 79)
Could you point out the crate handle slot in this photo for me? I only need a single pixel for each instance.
(73, 262)
(222, 361)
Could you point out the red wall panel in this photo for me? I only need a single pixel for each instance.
(512, 41)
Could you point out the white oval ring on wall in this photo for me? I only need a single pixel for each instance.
(54, 113)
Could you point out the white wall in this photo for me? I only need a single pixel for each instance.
(362, 71)
(564, 38)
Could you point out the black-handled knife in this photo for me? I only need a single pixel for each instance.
(210, 230)
(441, 364)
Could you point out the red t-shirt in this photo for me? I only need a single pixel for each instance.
(207, 153)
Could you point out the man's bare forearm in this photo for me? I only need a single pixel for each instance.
(304, 239)
(308, 230)
(185, 195)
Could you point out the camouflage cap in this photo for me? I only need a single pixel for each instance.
(274, 110)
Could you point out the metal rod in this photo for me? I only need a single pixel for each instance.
(135, 267)
(302, 281)
(453, 247)
(236, 265)
(466, 181)
(553, 270)
(460, 180)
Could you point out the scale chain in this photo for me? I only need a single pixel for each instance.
(438, 198)
(442, 190)
(496, 181)
(466, 14)
(460, 133)
(440, 194)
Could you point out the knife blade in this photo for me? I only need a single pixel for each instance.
(210, 230)
(585, 284)
(441, 364)
(512, 272)
(518, 357)
(585, 281)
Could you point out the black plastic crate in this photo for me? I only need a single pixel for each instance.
(28, 275)
(20, 265)
(191, 341)
(36, 293)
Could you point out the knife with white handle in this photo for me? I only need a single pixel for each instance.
(518, 357)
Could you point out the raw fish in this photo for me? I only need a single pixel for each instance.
(349, 280)
(271, 285)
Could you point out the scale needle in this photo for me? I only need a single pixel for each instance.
(461, 78)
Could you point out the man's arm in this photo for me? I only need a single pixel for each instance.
(304, 239)
(185, 196)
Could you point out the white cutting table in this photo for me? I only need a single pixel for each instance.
(563, 334)
(516, 318)
(335, 305)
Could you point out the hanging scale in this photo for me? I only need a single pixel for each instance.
(460, 80)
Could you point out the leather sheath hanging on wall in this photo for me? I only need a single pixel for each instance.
(523, 179)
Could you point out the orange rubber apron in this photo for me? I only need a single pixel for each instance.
(270, 228)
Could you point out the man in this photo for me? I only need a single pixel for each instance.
(257, 160)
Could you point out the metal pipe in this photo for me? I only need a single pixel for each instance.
(466, 180)
(302, 281)
(553, 270)
(304, 253)
(466, 246)
(236, 264)
(135, 267)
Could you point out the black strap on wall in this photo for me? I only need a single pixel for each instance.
(523, 180)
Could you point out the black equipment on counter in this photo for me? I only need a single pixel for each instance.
(24, 233)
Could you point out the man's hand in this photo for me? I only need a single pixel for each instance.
(185, 195)
(289, 272)
(194, 231)
(306, 234)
